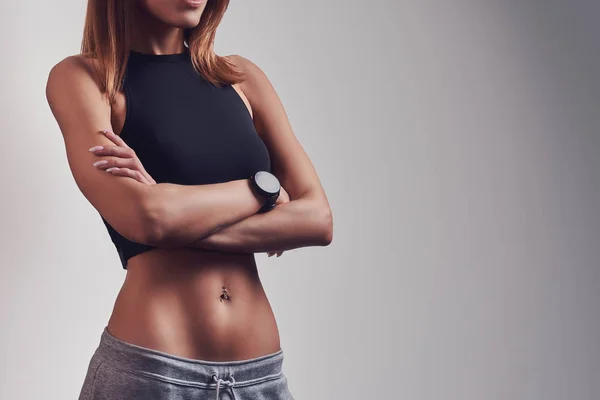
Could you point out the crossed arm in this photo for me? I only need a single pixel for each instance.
(218, 217)
(305, 220)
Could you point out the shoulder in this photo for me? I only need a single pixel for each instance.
(75, 71)
(73, 90)
(255, 86)
(255, 79)
(244, 65)
(75, 64)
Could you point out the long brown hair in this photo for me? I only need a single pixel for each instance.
(106, 37)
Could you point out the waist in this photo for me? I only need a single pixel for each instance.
(181, 370)
(195, 304)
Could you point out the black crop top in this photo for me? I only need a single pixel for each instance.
(184, 129)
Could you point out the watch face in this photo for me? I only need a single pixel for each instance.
(267, 182)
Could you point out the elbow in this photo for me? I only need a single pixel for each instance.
(325, 226)
(150, 231)
(150, 228)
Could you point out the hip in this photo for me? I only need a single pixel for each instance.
(119, 369)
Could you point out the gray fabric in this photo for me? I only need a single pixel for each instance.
(123, 371)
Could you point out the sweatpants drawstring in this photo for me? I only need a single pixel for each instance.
(228, 383)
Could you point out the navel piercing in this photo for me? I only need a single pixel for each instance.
(224, 294)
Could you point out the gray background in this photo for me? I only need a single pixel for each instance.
(458, 143)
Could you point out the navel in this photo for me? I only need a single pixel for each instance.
(224, 294)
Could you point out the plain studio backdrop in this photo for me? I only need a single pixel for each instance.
(458, 142)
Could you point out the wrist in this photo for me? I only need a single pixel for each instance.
(267, 187)
(259, 197)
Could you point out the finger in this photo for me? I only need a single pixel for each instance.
(126, 158)
(116, 162)
(110, 150)
(285, 197)
(282, 201)
(129, 173)
(116, 139)
(130, 163)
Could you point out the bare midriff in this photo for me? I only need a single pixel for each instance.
(195, 304)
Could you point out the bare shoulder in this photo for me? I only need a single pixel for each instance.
(247, 89)
(255, 79)
(244, 64)
(71, 72)
(75, 64)
(75, 97)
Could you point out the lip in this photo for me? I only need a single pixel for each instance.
(193, 3)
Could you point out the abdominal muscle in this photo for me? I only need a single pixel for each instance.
(172, 301)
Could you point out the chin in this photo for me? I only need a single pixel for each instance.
(175, 12)
(188, 21)
(190, 17)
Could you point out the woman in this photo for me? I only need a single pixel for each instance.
(182, 144)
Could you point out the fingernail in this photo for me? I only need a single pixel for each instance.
(101, 162)
(112, 169)
(107, 132)
(96, 148)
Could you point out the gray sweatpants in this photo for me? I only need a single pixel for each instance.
(119, 370)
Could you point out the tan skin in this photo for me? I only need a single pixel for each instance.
(172, 297)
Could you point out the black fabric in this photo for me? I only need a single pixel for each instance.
(184, 129)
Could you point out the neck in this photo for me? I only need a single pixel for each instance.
(153, 36)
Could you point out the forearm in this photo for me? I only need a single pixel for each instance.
(299, 223)
(183, 214)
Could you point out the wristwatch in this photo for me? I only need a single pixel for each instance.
(267, 185)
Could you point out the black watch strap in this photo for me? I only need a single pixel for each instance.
(269, 204)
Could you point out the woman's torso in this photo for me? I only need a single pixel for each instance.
(172, 299)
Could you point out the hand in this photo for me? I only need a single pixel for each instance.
(124, 161)
(283, 198)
